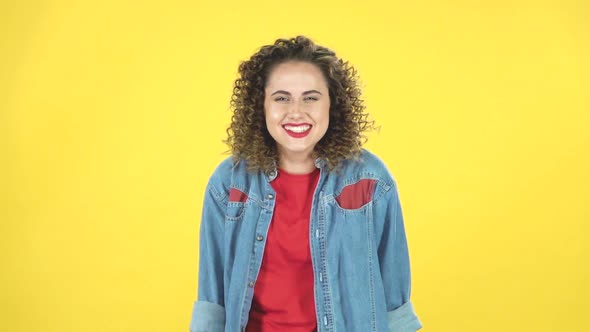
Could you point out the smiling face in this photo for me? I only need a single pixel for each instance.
(296, 108)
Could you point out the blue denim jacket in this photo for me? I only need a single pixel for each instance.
(359, 255)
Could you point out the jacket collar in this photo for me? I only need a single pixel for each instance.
(272, 174)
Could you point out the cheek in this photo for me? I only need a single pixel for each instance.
(323, 115)
(272, 115)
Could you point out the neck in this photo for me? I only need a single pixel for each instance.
(297, 164)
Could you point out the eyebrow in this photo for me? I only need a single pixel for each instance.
(288, 93)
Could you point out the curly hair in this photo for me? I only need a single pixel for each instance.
(247, 135)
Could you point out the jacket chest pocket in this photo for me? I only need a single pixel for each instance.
(234, 211)
(351, 207)
(350, 229)
(353, 219)
(237, 204)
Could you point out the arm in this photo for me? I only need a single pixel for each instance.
(395, 263)
(208, 311)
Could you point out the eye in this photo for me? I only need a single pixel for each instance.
(280, 98)
(311, 98)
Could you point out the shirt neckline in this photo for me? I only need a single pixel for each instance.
(292, 176)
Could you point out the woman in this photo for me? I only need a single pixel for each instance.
(301, 228)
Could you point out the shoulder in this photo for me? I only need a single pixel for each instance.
(229, 173)
(224, 168)
(366, 170)
(370, 165)
(220, 179)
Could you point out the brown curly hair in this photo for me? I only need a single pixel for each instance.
(247, 135)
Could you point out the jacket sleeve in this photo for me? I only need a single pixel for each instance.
(394, 263)
(208, 313)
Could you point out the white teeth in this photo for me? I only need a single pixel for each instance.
(298, 129)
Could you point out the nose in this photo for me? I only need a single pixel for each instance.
(295, 110)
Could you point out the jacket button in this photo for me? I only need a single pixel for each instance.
(270, 196)
(251, 284)
(259, 238)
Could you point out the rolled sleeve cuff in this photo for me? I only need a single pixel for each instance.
(403, 319)
(207, 317)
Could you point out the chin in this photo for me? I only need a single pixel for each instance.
(296, 149)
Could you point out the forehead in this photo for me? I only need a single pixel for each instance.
(296, 74)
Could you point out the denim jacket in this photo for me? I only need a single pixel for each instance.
(358, 248)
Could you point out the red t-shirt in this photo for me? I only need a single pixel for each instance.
(283, 295)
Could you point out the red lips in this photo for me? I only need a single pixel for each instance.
(294, 134)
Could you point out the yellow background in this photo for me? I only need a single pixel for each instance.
(112, 115)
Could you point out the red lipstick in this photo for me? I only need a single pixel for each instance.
(297, 134)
